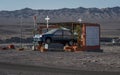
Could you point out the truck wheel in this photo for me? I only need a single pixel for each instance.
(48, 40)
(71, 42)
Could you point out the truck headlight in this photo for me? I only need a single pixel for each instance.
(40, 35)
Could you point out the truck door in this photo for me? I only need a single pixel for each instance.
(58, 36)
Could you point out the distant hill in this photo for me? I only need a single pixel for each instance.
(62, 15)
(109, 18)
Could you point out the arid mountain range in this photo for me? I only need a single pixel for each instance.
(108, 18)
(64, 14)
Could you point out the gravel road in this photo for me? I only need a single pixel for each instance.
(18, 69)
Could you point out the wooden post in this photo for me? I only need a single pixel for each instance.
(79, 31)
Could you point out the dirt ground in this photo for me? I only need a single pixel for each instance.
(108, 60)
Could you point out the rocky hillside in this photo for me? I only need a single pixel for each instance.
(61, 15)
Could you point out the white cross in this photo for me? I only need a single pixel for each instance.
(80, 20)
(47, 19)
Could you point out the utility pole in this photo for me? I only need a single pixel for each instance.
(34, 27)
(21, 23)
(34, 30)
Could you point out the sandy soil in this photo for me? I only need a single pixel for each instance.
(109, 60)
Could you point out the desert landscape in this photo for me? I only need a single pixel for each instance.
(29, 62)
(10, 22)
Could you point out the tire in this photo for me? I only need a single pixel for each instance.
(71, 42)
(40, 42)
(48, 40)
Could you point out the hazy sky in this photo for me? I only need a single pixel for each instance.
(56, 4)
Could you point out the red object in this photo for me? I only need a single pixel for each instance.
(34, 17)
(11, 47)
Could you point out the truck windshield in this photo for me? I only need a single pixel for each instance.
(51, 31)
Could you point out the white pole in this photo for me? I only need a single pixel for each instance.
(47, 24)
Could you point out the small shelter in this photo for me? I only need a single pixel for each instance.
(88, 35)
